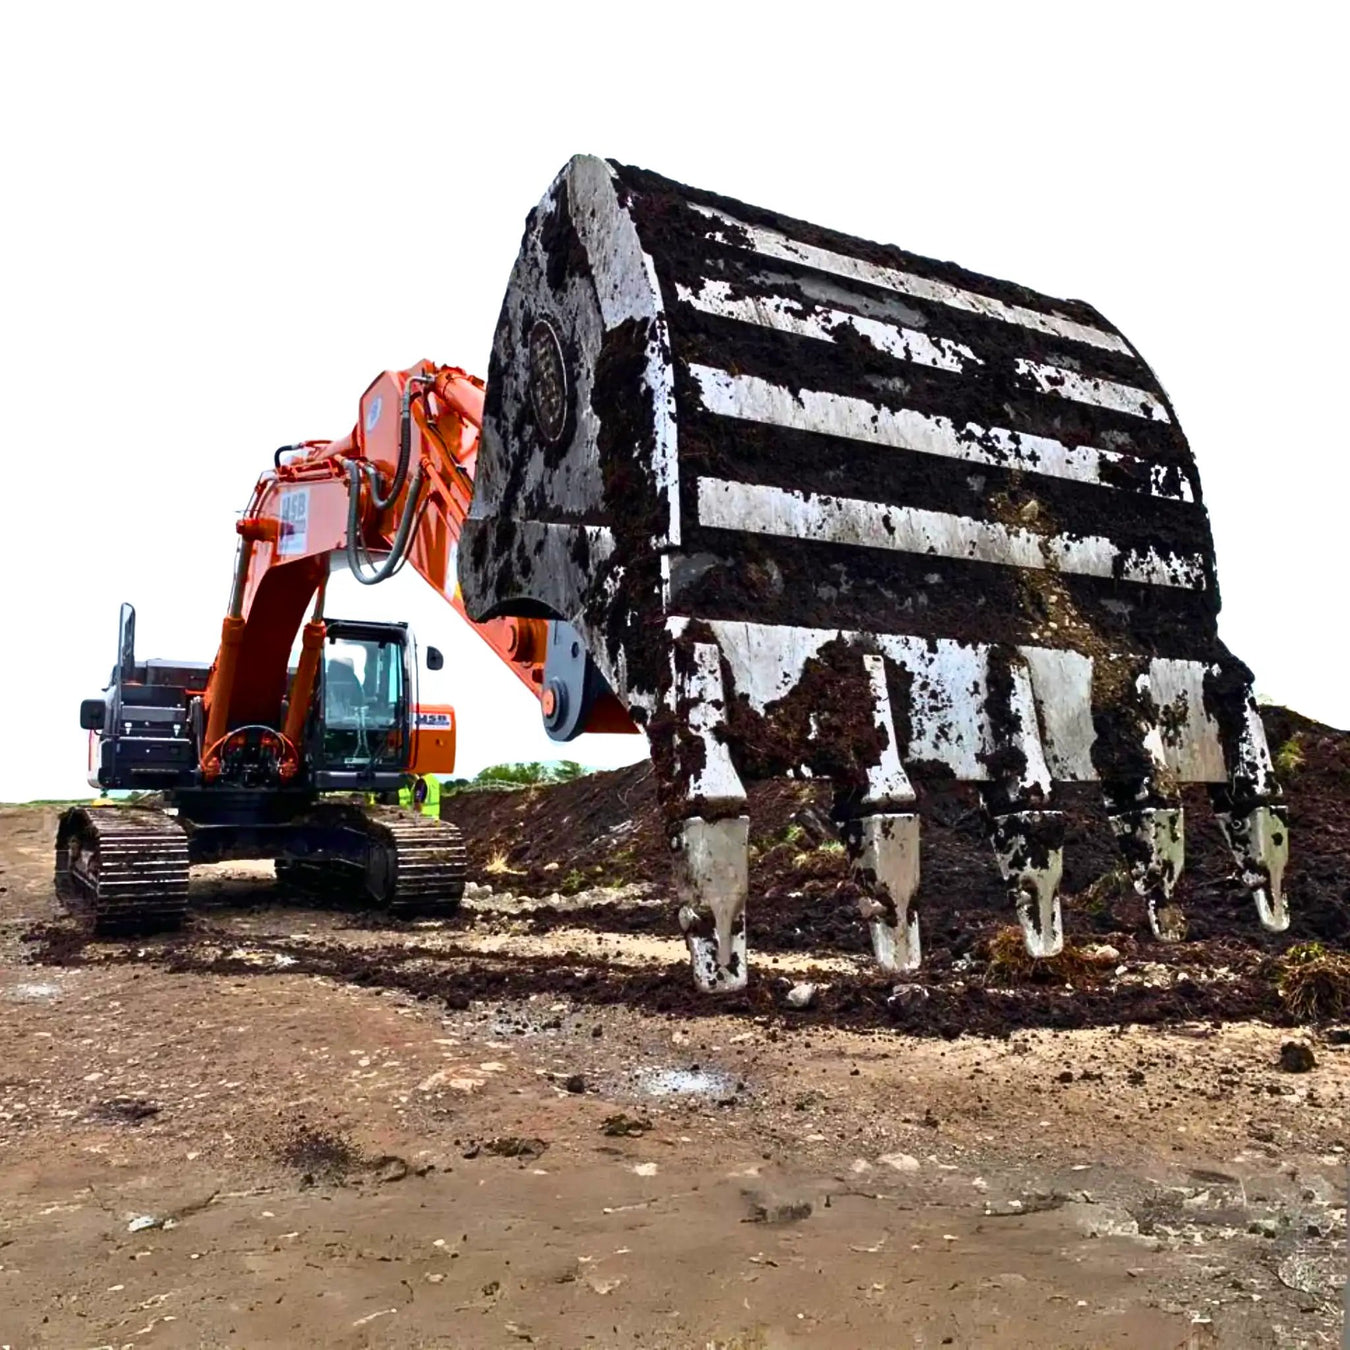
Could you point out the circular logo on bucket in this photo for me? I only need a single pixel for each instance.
(549, 392)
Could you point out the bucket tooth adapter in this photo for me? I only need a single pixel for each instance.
(820, 507)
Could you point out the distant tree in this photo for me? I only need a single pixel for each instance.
(532, 773)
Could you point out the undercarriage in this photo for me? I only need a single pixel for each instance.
(128, 867)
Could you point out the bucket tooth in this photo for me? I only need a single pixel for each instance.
(1152, 841)
(1142, 795)
(888, 784)
(712, 855)
(1028, 840)
(883, 844)
(884, 856)
(1259, 840)
(712, 878)
(1029, 846)
(1251, 812)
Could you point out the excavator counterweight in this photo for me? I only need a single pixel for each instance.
(819, 506)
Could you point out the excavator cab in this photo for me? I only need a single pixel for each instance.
(360, 731)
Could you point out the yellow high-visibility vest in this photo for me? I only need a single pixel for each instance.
(430, 795)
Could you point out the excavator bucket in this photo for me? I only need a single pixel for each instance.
(819, 506)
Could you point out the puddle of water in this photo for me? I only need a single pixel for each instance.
(685, 1083)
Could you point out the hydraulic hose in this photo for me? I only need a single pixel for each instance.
(398, 550)
(382, 501)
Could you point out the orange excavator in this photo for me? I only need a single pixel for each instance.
(257, 758)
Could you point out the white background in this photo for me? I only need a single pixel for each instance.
(221, 222)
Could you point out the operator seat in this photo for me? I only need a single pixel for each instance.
(343, 693)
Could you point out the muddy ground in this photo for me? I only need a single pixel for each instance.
(296, 1127)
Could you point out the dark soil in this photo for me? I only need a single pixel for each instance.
(947, 1005)
(607, 829)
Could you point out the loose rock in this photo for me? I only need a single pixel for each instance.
(1295, 1057)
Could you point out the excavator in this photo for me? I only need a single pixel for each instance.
(261, 760)
(786, 501)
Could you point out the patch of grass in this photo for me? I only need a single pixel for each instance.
(1105, 891)
(1009, 963)
(1289, 757)
(821, 861)
(793, 838)
(1314, 982)
(500, 865)
(573, 882)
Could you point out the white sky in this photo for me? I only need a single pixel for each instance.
(224, 221)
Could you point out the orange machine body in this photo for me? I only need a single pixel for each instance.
(433, 740)
(297, 521)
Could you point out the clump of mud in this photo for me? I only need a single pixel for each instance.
(320, 1156)
(1315, 982)
(1007, 962)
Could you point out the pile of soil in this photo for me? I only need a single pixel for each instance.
(607, 830)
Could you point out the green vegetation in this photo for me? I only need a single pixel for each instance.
(1109, 888)
(792, 835)
(1289, 757)
(533, 773)
(821, 861)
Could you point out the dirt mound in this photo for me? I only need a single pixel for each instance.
(606, 829)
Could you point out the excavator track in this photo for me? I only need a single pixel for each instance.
(415, 867)
(127, 868)
(429, 863)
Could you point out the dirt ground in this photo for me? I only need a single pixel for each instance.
(292, 1127)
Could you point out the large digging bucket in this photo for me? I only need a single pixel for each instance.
(819, 505)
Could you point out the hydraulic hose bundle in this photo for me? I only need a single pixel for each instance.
(358, 559)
